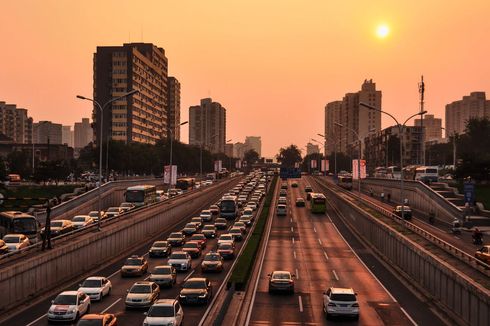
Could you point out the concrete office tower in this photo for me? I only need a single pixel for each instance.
(83, 133)
(255, 143)
(239, 150)
(312, 148)
(15, 124)
(229, 150)
(207, 126)
(433, 128)
(141, 117)
(459, 112)
(47, 132)
(352, 116)
(173, 111)
(67, 135)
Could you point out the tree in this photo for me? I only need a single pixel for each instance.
(19, 163)
(251, 157)
(306, 164)
(289, 156)
(474, 150)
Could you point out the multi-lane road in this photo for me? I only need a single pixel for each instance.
(313, 248)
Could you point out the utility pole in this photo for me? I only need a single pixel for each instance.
(422, 147)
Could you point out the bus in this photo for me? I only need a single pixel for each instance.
(318, 203)
(393, 172)
(380, 172)
(427, 174)
(345, 181)
(185, 183)
(19, 222)
(229, 207)
(141, 195)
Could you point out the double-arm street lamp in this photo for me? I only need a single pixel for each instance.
(316, 141)
(231, 155)
(101, 138)
(334, 153)
(401, 128)
(171, 132)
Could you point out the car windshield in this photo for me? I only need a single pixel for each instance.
(56, 224)
(191, 245)
(190, 226)
(140, 289)
(211, 258)
(228, 206)
(93, 214)
(175, 235)
(281, 276)
(162, 270)
(343, 297)
(195, 284)
(133, 262)
(235, 231)
(178, 256)
(127, 205)
(208, 228)
(64, 299)
(225, 237)
(198, 236)
(24, 225)
(90, 322)
(11, 239)
(161, 311)
(220, 220)
(160, 244)
(113, 209)
(206, 213)
(79, 219)
(135, 196)
(196, 219)
(225, 246)
(92, 284)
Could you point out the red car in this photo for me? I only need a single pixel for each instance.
(199, 238)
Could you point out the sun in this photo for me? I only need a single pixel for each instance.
(382, 31)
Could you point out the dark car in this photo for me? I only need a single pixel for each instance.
(176, 239)
(214, 209)
(300, 202)
(98, 319)
(134, 266)
(237, 233)
(407, 212)
(226, 250)
(196, 290)
(212, 262)
(193, 248)
(220, 223)
(59, 227)
(160, 249)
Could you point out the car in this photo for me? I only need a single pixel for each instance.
(209, 231)
(300, 202)
(214, 209)
(197, 221)
(126, 207)
(98, 319)
(226, 249)
(212, 261)
(3, 247)
(483, 254)
(282, 200)
(59, 227)
(281, 210)
(199, 238)
(246, 219)
(340, 302)
(113, 212)
(69, 306)
(180, 260)
(196, 290)
(176, 239)
(193, 248)
(134, 266)
(220, 223)
(189, 229)
(294, 184)
(251, 204)
(95, 215)
(248, 212)
(237, 233)
(96, 287)
(142, 295)
(240, 225)
(164, 275)
(308, 189)
(160, 249)
(16, 241)
(407, 212)
(281, 281)
(284, 185)
(164, 312)
(226, 237)
(283, 193)
(80, 221)
(206, 215)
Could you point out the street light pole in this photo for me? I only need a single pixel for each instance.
(334, 152)
(171, 132)
(454, 146)
(101, 109)
(400, 129)
(229, 141)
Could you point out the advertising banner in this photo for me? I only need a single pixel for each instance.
(167, 172)
(355, 175)
(313, 164)
(218, 165)
(325, 166)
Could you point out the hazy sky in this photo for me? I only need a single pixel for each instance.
(273, 64)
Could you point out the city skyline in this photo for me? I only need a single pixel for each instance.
(258, 59)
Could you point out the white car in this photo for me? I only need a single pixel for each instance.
(96, 287)
(281, 210)
(226, 238)
(340, 302)
(68, 306)
(164, 312)
(80, 221)
(206, 215)
(95, 215)
(127, 206)
(252, 205)
(113, 211)
(180, 260)
(16, 241)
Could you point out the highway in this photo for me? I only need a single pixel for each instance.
(315, 248)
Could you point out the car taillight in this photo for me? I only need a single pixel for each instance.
(355, 305)
(331, 304)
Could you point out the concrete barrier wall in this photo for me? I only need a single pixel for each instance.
(465, 300)
(47, 270)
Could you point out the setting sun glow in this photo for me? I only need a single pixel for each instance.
(382, 31)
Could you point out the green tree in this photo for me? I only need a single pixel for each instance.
(251, 157)
(289, 156)
(474, 150)
(19, 163)
(306, 165)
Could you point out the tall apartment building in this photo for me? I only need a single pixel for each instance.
(312, 148)
(83, 133)
(207, 126)
(229, 150)
(352, 116)
(255, 143)
(15, 123)
(141, 117)
(239, 150)
(459, 112)
(433, 128)
(45, 132)
(173, 111)
(67, 135)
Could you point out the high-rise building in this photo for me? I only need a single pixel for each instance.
(45, 132)
(239, 150)
(15, 124)
(207, 126)
(312, 148)
(83, 133)
(433, 128)
(459, 112)
(229, 150)
(255, 143)
(352, 117)
(67, 136)
(141, 117)
(173, 111)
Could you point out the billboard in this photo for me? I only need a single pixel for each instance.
(325, 166)
(238, 164)
(167, 172)
(313, 164)
(355, 169)
(218, 165)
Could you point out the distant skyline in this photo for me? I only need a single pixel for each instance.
(273, 64)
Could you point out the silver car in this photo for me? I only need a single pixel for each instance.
(340, 302)
(164, 312)
(142, 294)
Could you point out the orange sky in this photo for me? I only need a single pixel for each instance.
(273, 64)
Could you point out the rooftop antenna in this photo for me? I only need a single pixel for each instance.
(422, 92)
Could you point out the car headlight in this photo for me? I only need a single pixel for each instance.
(71, 311)
(202, 296)
(181, 295)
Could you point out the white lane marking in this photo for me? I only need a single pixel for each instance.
(35, 321)
(112, 305)
(292, 230)
(294, 254)
(325, 254)
(300, 304)
(456, 237)
(314, 229)
(297, 274)
(293, 240)
(189, 275)
(335, 274)
(146, 278)
(408, 316)
(291, 220)
(114, 274)
(320, 241)
(146, 254)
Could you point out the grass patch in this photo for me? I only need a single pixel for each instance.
(243, 267)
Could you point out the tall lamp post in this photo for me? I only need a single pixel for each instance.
(454, 147)
(101, 138)
(171, 132)
(334, 153)
(401, 128)
(229, 141)
(316, 141)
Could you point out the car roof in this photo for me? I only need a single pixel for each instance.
(165, 302)
(342, 290)
(143, 283)
(197, 279)
(281, 272)
(95, 278)
(70, 292)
